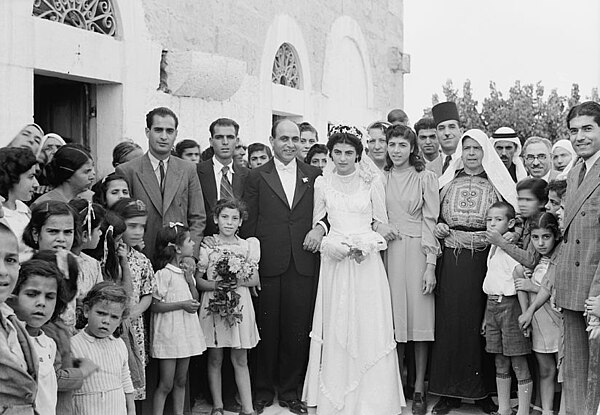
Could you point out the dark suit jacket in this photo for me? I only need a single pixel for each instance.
(183, 201)
(281, 229)
(206, 174)
(577, 273)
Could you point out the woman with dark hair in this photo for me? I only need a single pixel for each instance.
(413, 206)
(18, 167)
(353, 367)
(317, 156)
(70, 172)
(472, 183)
(126, 151)
(188, 150)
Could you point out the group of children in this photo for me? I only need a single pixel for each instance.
(520, 314)
(74, 288)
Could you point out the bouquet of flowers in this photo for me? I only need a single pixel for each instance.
(232, 268)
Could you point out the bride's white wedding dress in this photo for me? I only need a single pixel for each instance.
(353, 365)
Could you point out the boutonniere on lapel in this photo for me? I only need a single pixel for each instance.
(305, 180)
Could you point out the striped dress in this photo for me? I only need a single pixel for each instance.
(104, 391)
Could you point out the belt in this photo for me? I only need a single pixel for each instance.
(498, 298)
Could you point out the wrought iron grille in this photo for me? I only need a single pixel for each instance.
(93, 15)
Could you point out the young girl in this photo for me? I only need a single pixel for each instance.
(109, 390)
(240, 337)
(54, 226)
(134, 214)
(18, 168)
(18, 360)
(545, 319)
(174, 307)
(532, 198)
(110, 190)
(37, 298)
(91, 217)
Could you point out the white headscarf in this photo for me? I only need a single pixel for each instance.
(517, 161)
(45, 138)
(566, 144)
(496, 171)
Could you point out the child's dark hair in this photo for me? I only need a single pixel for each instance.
(69, 275)
(184, 145)
(509, 210)
(130, 208)
(231, 204)
(13, 163)
(106, 252)
(47, 269)
(100, 188)
(409, 135)
(89, 215)
(315, 149)
(110, 292)
(40, 214)
(122, 150)
(536, 186)
(545, 220)
(167, 241)
(558, 186)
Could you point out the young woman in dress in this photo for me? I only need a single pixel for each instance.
(413, 206)
(353, 366)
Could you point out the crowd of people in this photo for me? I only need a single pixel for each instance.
(384, 261)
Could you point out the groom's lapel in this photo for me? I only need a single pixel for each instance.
(302, 183)
(272, 178)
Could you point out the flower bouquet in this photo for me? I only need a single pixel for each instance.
(231, 269)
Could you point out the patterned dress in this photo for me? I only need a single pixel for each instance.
(142, 278)
(460, 367)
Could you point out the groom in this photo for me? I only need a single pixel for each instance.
(279, 195)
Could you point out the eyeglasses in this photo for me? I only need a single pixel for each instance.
(540, 157)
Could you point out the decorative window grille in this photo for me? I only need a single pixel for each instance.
(93, 15)
(285, 67)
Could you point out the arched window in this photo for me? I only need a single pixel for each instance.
(93, 15)
(286, 70)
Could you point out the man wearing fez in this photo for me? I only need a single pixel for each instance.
(447, 127)
(508, 146)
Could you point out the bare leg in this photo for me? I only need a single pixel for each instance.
(421, 354)
(547, 366)
(239, 359)
(215, 360)
(179, 385)
(165, 385)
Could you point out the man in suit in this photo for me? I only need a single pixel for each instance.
(279, 195)
(448, 130)
(537, 153)
(219, 176)
(577, 271)
(169, 186)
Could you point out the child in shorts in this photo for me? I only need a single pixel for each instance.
(503, 336)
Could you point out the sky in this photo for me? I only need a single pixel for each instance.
(553, 41)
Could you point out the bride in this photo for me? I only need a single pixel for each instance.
(353, 366)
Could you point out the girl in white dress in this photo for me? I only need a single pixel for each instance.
(176, 333)
(243, 334)
(353, 366)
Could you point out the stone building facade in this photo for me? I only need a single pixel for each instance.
(91, 69)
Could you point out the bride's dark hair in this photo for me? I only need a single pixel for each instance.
(345, 138)
(402, 131)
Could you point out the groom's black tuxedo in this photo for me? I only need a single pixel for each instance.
(288, 273)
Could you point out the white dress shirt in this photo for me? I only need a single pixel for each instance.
(154, 161)
(287, 175)
(218, 169)
(589, 163)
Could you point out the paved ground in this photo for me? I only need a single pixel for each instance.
(275, 409)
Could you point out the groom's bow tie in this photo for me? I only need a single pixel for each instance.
(287, 169)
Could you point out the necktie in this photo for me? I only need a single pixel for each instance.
(446, 163)
(581, 174)
(226, 189)
(161, 170)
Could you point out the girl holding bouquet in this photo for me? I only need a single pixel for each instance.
(226, 311)
(174, 307)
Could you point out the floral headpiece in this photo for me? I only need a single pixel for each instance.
(345, 129)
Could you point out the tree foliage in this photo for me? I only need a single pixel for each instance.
(525, 108)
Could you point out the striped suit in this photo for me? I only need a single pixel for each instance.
(577, 276)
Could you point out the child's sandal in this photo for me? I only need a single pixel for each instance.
(217, 411)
